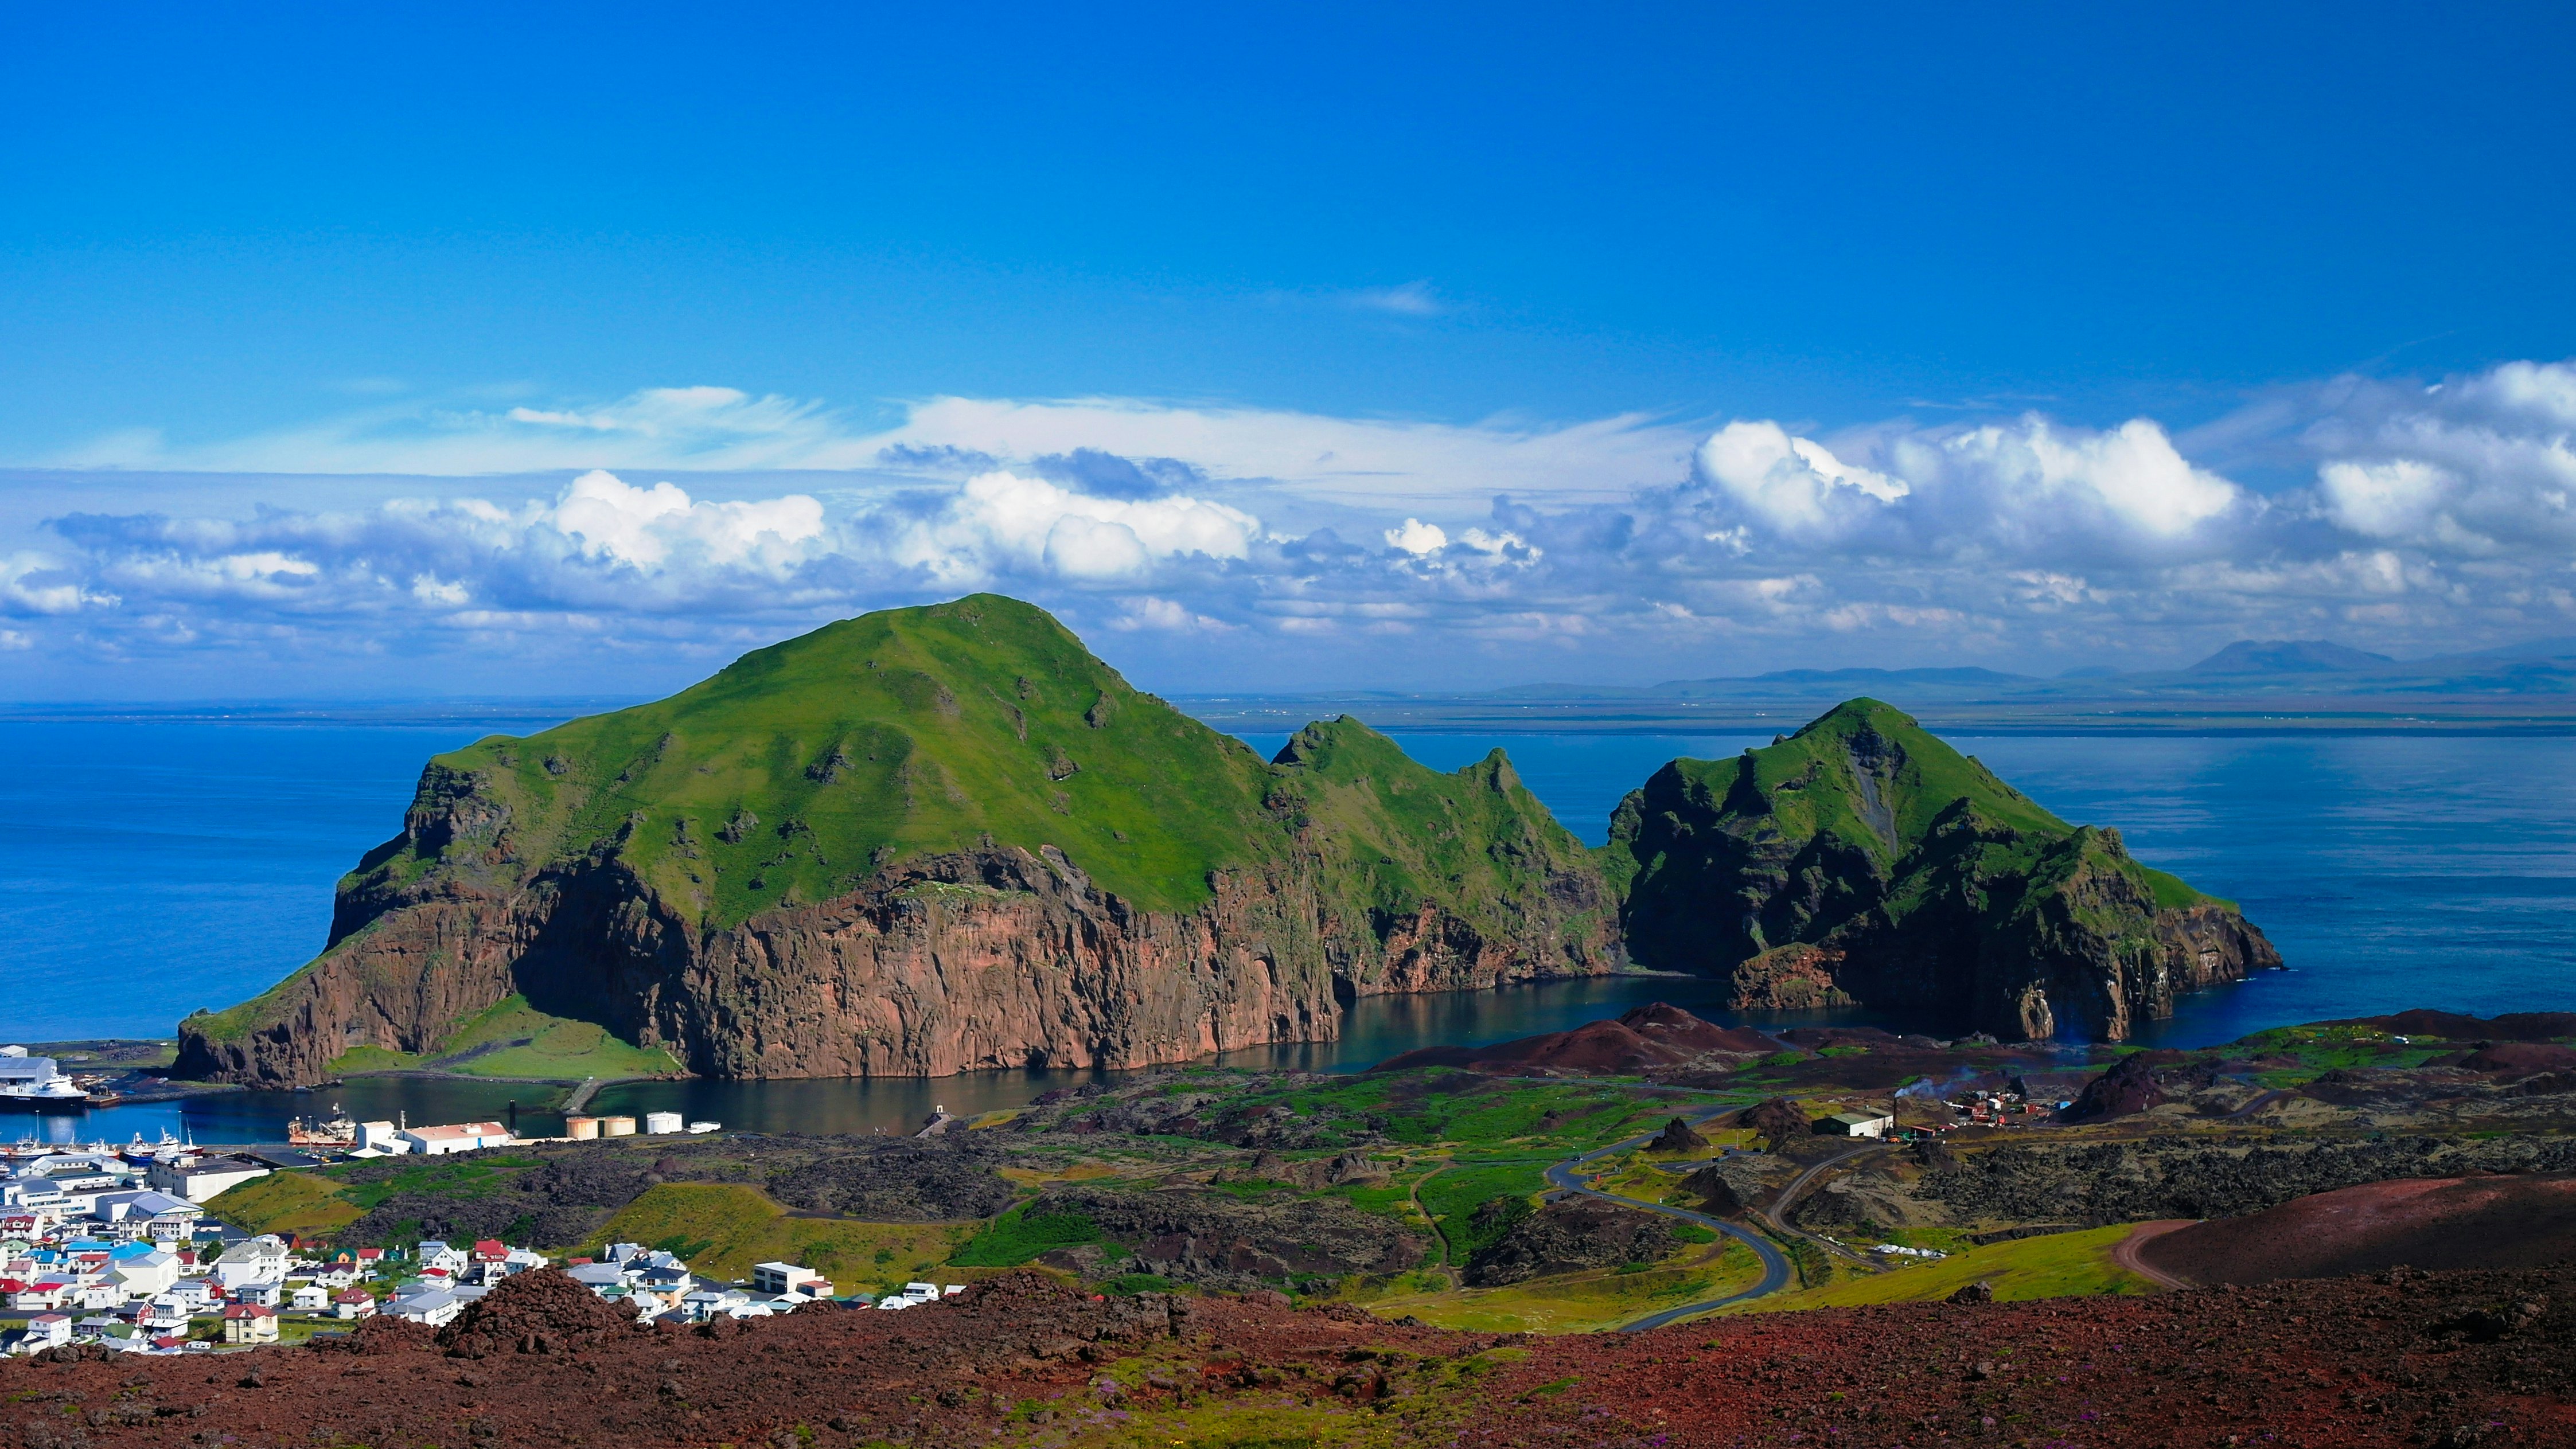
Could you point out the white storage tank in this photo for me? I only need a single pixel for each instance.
(660, 1122)
(616, 1126)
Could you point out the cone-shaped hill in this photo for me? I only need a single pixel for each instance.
(917, 842)
(1863, 860)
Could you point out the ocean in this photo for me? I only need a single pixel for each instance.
(152, 866)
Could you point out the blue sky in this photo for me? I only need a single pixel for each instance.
(1275, 347)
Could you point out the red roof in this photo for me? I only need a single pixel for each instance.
(491, 1248)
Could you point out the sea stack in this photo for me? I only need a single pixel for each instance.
(1863, 861)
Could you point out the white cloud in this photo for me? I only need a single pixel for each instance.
(1417, 537)
(1793, 486)
(645, 526)
(2414, 516)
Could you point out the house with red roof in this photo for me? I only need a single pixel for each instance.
(250, 1323)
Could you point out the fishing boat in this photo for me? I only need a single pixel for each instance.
(335, 1130)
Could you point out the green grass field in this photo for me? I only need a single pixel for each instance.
(513, 1039)
(2061, 1265)
(721, 1229)
(286, 1202)
(1582, 1302)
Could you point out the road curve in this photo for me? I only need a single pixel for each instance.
(1775, 1266)
(2125, 1251)
(1777, 1214)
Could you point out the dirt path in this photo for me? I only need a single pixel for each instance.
(2125, 1252)
(1413, 1195)
(2278, 1094)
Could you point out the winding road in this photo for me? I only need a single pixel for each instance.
(1775, 1267)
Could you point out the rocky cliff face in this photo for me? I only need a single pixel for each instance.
(1351, 872)
(1864, 861)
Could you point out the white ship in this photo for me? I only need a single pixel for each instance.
(35, 1082)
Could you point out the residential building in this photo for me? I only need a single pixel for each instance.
(164, 1315)
(353, 1303)
(251, 1259)
(201, 1179)
(785, 1278)
(437, 1307)
(310, 1298)
(48, 1330)
(250, 1323)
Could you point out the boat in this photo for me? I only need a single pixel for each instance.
(334, 1131)
(27, 1081)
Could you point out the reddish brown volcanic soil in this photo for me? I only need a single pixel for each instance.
(2447, 1359)
(1646, 1037)
(2424, 1222)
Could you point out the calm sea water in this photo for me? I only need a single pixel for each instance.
(151, 867)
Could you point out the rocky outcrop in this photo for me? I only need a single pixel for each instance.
(1677, 1136)
(2129, 1087)
(1219, 1240)
(1863, 861)
(1567, 1237)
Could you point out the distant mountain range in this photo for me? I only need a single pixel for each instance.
(2252, 684)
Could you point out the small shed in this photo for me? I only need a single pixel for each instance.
(1855, 1124)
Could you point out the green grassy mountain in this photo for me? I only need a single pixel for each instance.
(919, 841)
(1864, 860)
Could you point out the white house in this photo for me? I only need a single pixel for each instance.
(783, 1278)
(94, 1294)
(435, 1256)
(201, 1179)
(436, 1307)
(200, 1294)
(311, 1298)
(48, 1330)
(164, 1315)
(353, 1303)
(251, 1260)
(461, 1137)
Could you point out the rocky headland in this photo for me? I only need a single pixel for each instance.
(942, 839)
(922, 842)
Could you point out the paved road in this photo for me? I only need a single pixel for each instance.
(1775, 1267)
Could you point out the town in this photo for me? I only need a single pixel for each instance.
(116, 1247)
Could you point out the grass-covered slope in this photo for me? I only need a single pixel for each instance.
(1395, 838)
(1864, 859)
(801, 768)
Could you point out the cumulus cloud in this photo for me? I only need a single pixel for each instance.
(2398, 515)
